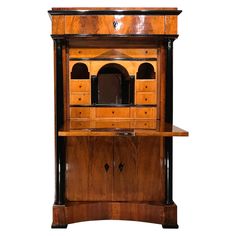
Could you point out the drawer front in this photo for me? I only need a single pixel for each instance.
(79, 112)
(144, 124)
(115, 112)
(79, 86)
(145, 86)
(96, 52)
(144, 112)
(115, 124)
(75, 124)
(145, 98)
(112, 24)
(80, 99)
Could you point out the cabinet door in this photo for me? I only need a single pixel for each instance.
(138, 169)
(89, 173)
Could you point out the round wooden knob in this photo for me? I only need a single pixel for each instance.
(112, 112)
(146, 99)
(80, 112)
(146, 86)
(79, 99)
(80, 86)
(145, 113)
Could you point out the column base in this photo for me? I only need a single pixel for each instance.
(166, 226)
(59, 226)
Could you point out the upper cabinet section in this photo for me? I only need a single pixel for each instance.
(99, 21)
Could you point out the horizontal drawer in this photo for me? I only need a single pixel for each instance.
(115, 112)
(145, 98)
(79, 86)
(144, 124)
(144, 112)
(145, 86)
(80, 99)
(80, 112)
(96, 52)
(75, 124)
(112, 24)
(115, 124)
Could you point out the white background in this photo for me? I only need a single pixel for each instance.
(204, 104)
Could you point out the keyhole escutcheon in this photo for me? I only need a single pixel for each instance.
(121, 166)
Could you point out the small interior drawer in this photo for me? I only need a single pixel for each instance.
(144, 112)
(145, 98)
(80, 99)
(145, 86)
(112, 124)
(75, 124)
(112, 112)
(80, 112)
(144, 124)
(79, 86)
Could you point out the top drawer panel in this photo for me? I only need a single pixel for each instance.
(114, 24)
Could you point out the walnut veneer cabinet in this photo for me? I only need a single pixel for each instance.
(113, 114)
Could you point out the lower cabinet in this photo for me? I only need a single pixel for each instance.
(115, 169)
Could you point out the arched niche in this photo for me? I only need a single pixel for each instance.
(114, 85)
(146, 71)
(79, 71)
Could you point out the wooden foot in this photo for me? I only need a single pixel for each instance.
(166, 226)
(59, 226)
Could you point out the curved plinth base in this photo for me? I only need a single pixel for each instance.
(151, 212)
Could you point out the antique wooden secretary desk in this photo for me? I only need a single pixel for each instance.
(113, 114)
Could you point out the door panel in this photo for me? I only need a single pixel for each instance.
(86, 177)
(142, 176)
(151, 177)
(125, 169)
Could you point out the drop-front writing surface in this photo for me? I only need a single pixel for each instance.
(113, 114)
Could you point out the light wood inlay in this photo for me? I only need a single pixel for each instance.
(80, 112)
(80, 85)
(144, 112)
(145, 85)
(144, 124)
(80, 99)
(144, 98)
(112, 53)
(116, 112)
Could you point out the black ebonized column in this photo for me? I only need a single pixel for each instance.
(59, 141)
(169, 119)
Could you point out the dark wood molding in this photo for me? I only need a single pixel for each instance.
(159, 37)
(114, 12)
